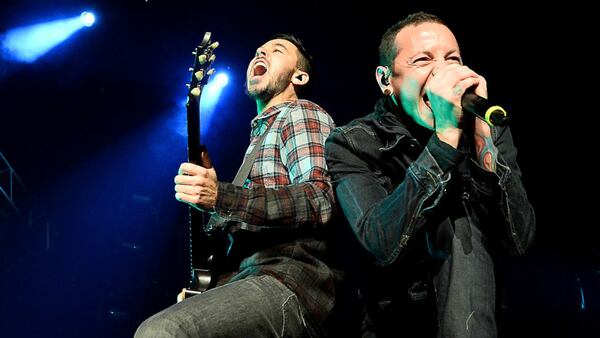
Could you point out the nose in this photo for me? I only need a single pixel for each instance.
(439, 64)
(260, 52)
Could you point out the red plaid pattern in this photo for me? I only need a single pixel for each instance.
(285, 202)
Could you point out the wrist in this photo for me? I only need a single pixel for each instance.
(450, 136)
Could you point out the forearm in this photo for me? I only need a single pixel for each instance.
(307, 204)
(486, 152)
(386, 222)
(504, 193)
(302, 196)
(516, 211)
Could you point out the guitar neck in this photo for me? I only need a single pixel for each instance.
(193, 130)
(201, 247)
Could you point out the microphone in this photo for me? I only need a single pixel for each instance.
(480, 107)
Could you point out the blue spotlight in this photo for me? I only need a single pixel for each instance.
(221, 80)
(28, 43)
(213, 90)
(210, 97)
(87, 18)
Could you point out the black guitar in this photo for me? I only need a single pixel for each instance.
(203, 258)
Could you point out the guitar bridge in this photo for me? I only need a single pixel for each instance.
(201, 281)
(187, 293)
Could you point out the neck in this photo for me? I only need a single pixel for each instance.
(287, 95)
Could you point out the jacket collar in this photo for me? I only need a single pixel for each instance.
(388, 118)
(392, 123)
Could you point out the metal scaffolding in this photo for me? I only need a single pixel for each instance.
(15, 199)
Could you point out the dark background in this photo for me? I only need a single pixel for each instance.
(91, 130)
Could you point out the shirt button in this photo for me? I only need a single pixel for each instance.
(465, 196)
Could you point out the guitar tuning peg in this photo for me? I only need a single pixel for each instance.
(194, 53)
(191, 69)
(195, 91)
(212, 58)
(199, 74)
(187, 85)
(210, 72)
(202, 59)
(214, 45)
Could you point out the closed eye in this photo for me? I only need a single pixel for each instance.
(422, 61)
(455, 59)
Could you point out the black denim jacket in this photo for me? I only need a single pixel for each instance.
(391, 188)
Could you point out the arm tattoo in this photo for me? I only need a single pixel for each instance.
(487, 153)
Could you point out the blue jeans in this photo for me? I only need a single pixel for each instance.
(256, 306)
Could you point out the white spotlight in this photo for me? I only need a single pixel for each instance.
(87, 18)
(221, 80)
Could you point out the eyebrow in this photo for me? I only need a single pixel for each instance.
(279, 44)
(457, 51)
(428, 53)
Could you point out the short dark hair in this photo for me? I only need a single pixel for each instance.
(387, 46)
(305, 59)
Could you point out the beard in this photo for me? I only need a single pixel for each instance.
(273, 86)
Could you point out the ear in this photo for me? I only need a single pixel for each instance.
(300, 78)
(382, 75)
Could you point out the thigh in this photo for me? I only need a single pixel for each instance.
(257, 306)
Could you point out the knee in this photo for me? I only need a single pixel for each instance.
(159, 326)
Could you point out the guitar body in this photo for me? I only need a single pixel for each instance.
(204, 245)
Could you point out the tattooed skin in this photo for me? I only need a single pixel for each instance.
(487, 153)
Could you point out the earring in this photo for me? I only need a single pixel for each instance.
(385, 75)
(387, 92)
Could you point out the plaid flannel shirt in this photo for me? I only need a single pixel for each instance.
(286, 202)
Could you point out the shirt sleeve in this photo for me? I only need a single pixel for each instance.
(514, 213)
(308, 201)
(385, 221)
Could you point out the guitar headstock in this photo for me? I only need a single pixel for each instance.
(202, 69)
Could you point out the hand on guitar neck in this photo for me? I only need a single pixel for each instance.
(197, 185)
(205, 158)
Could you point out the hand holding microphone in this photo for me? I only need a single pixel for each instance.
(493, 115)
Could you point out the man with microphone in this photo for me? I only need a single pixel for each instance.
(430, 191)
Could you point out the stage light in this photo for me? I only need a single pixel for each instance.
(221, 80)
(87, 18)
(212, 92)
(28, 43)
(210, 97)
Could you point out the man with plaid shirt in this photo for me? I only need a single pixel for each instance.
(280, 285)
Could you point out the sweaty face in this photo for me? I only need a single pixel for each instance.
(271, 70)
(422, 49)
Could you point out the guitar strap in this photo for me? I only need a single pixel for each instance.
(215, 221)
(246, 166)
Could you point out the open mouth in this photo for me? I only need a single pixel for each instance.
(426, 100)
(260, 68)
